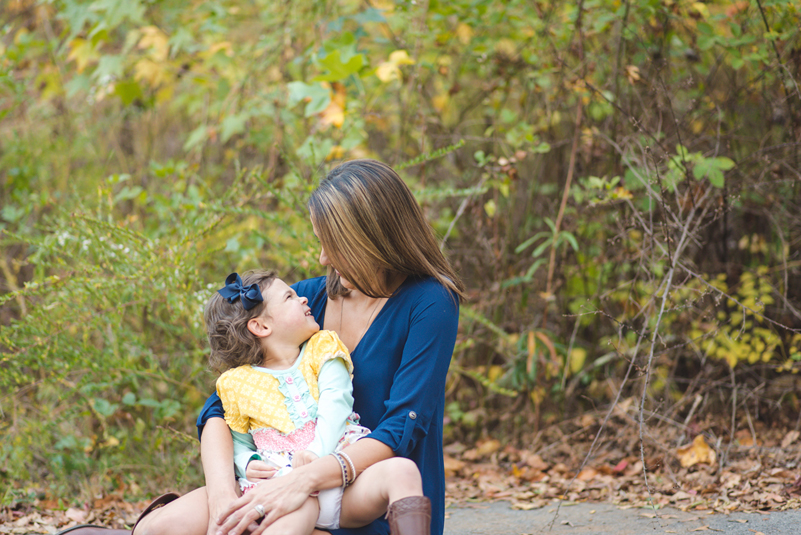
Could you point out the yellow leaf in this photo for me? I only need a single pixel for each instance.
(441, 101)
(464, 33)
(165, 94)
(494, 373)
(336, 153)
(537, 395)
(149, 71)
(156, 40)
(387, 72)
(621, 193)
(577, 358)
(334, 113)
(697, 452)
(20, 35)
(390, 70)
(506, 47)
(490, 208)
(701, 8)
(632, 73)
(82, 52)
(49, 82)
(224, 46)
(401, 57)
(385, 5)
(531, 348)
(547, 341)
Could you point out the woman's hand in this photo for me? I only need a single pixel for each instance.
(258, 470)
(217, 452)
(279, 496)
(218, 504)
(303, 457)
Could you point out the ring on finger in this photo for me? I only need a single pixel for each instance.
(259, 509)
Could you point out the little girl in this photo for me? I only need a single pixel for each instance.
(288, 385)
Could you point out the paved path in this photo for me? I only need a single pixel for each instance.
(584, 518)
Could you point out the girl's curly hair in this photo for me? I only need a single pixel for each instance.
(232, 344)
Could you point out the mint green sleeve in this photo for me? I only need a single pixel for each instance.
(244, 452)
(333, 407)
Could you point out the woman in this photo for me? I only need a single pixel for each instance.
(393, 299)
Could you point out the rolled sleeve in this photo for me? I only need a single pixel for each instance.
(213, 408)
(418, 385)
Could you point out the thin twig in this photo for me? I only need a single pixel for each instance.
(565, 194)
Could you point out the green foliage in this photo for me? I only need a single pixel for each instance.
(148, 149)
(553, 239)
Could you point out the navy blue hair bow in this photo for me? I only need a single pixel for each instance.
(250, 295)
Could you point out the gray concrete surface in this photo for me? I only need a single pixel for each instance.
(585, 518)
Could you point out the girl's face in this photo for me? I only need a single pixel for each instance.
(325, 261)
(288, 315)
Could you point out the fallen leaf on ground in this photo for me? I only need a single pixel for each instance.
(789, 438)
(452, 465)
(587, 474)
(536, 462)
(76, 515)
(697, 452)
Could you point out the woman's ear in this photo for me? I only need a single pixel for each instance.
(259, 328)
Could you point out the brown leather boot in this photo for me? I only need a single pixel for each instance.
(410, 516)
(91, 529)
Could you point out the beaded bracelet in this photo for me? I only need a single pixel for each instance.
(343, 467)
(352, 466)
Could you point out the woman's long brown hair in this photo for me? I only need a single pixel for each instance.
(367, 221)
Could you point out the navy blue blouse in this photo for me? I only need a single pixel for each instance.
(400, 366)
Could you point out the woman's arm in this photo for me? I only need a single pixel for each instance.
(285, 494)
(217, 452)
(417, 391)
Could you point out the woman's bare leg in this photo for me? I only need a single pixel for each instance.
(375, 488)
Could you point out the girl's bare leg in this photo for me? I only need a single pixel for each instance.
(188, 515)
(375, 488)
(298, 522)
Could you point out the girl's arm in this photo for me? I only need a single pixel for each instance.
(334, 406)
(244, 452)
